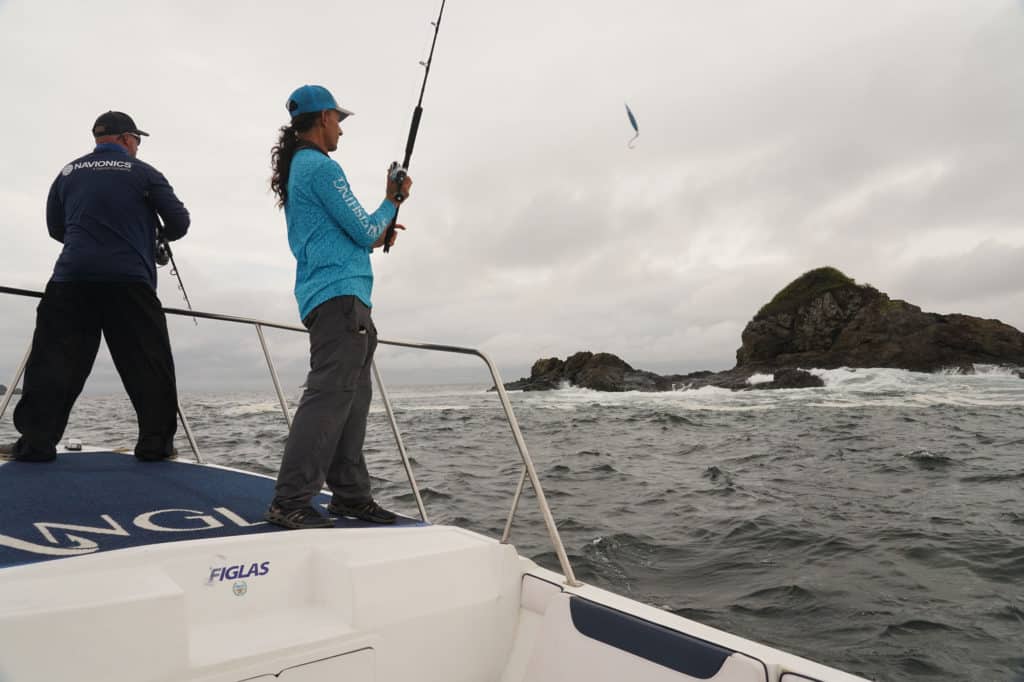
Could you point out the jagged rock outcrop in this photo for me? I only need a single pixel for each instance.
(608, 372)
(788, 377)
(599, 371)
(823, 319)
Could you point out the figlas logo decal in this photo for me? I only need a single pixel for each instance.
(238, 571)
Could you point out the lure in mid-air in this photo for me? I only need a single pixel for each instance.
(636, 128)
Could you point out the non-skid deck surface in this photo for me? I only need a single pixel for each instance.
(91, 502)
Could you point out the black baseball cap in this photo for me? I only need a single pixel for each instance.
(115, 123)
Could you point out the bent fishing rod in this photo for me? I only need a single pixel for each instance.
(397, 173)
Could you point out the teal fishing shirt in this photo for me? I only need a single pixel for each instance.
(329, 232)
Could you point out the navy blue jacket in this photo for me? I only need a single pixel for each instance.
(103, 207)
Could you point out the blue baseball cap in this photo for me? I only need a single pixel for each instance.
(311, 98)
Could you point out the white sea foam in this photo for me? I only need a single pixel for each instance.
(996, 371)
(253, 408)
(845, 388)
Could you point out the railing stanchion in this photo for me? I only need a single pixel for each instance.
(515, 507)
(14, 382)
(398, 441)
(531, 471)
(273, 376)
(188, 434)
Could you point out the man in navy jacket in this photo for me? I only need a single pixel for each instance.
(104, 208)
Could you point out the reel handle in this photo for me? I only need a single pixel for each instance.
(397, 175)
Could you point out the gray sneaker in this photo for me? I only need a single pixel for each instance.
(297, 519)
(367, 511)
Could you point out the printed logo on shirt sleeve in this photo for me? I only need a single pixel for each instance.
(346, 194)
(341, 184)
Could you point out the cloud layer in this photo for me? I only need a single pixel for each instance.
(882, 140)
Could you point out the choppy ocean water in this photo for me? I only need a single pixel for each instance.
(875, 524)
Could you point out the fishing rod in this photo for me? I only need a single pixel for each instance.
(395, 172)
(165, 255)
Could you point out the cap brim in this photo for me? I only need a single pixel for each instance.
(345, 113)
(140, 132)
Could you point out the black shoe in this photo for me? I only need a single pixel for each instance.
(367, 511)
(297, 519)
(11, 452)
(155, 457)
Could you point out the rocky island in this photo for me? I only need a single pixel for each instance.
(823, 319)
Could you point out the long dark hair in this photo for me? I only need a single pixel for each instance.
(281, 154)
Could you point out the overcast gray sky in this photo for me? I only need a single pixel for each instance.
(880, 137)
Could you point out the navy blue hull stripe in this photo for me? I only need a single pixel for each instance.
(656, 643)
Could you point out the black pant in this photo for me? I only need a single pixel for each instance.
(326, 440)
(69, 321)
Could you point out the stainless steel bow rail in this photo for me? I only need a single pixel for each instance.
(529, 470)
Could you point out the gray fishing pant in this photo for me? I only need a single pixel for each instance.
(326, 440)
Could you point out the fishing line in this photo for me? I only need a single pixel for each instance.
(165, 255)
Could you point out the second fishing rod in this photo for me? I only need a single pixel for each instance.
(398, 172)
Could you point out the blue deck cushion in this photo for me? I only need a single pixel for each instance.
(84, 503)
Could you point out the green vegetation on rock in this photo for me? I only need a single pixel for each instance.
(803, 289)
